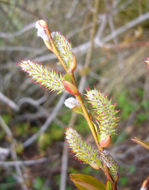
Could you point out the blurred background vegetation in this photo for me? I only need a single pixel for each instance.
(117, 67)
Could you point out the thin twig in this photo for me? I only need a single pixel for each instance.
(23, 163)
(9, 102)
(81, 49)
(65, 156)
(18, 33)
(45, 126)
(64, 167)
(23, 49)
(13, 153)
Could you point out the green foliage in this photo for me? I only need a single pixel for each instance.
(132, 169)
(6, 118)
(123, 181)
(44, 140)
(69, 188)
(22, 129)
(57, 179)
(145, 105)
(38, 184)
(87, 182)
(73, 170)
(125, 104)
(86, 169)
(57, 133)
(81, 126)
(140, 92)
(65, 117)
(9, 182)
(2, 134)
(141, 117)
(19, 148)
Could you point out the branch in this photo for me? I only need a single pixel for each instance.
(9, 102)
(47, 123)
(18, 33)
(13, 154)
(23, 163)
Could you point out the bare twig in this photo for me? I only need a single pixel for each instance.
(31, 101)
(73, 7)
(129, 25)
(81, 49)
(47, 123)
(18, 33)
(90, 50)
(65, 156)
(9, 102)
(23, 163)
(13, 153)
(4, 152)
(22, 48)
(64, 167)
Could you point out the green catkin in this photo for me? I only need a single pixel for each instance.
(83, 151)
(104, 111)
(49, 79)
(110, 163)
(64, 48)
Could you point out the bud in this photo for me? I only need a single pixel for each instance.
(42, 28)
(73, 65)
(71, 88)
(71, 103)
(43, 32)
(147, 61)
(145, 184)
(43, 24)
(105, 142)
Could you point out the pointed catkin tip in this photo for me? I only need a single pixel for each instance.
(71, 88)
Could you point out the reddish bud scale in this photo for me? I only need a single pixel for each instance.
(73, 65)
(71, 88)
(105, 142)
(43, 24)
